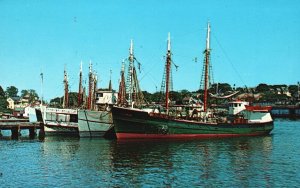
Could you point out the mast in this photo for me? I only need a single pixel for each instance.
(130, 73)
(110, 85)
(66, 90)
(80, 89)
(95, 81)
(89, 104)
(134, 95)
(122, 89)
(92, 88)
(206, 77)
(168, 65)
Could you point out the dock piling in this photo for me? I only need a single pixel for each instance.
(42, 130)
(32, 132)
(15, 132)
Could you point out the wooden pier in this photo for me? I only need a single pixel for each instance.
(15, 126)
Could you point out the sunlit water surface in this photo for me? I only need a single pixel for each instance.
(266, 161)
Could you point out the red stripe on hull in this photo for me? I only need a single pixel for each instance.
(181, 136)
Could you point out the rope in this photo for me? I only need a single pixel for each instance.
(228, 59)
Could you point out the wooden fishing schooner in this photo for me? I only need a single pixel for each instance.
(197, 122)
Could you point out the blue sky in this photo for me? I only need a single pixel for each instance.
(252, 41)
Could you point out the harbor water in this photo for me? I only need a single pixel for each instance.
(264, 161)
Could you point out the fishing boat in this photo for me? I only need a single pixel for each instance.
(60, 121)
(191, 121)
(96, 120)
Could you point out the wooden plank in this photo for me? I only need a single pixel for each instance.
(22, 125)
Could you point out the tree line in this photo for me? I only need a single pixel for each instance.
(12, 92)
(269, 93)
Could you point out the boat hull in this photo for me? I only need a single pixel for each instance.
(52, 129)
(94, 123)
(58, 121)
(131, 123)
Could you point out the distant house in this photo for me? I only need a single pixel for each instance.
(13, 102)
(247, 96)
(17, 102)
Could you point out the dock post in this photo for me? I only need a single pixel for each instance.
(42, 130)
(32, 132)
(16, 132)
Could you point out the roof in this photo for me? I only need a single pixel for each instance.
(15, 98)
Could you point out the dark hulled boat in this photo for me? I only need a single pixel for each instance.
(197, 122)
(136, 123)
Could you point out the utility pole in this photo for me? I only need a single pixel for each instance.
(42, 81)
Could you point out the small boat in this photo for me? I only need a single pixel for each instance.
(189, 121)
(58, 121)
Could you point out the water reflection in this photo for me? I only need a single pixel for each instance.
(266, 161)
(212, 162)
(203, 162)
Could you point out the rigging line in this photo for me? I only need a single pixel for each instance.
(144, 75)
(228, 59)
(192, 31)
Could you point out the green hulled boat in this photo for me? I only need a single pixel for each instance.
(191, 121)
(136, 123)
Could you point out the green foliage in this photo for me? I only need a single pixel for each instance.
(2, 93)
(12, 91)
(24, 93)
(269, 93)
(242, 90)
(56, 102)
(221, 88)
(156, 97)
(273, 97)
(31, 94)
(3, 105)
(261, 88)
(293, 89)
(73, 99)
(147, 96)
